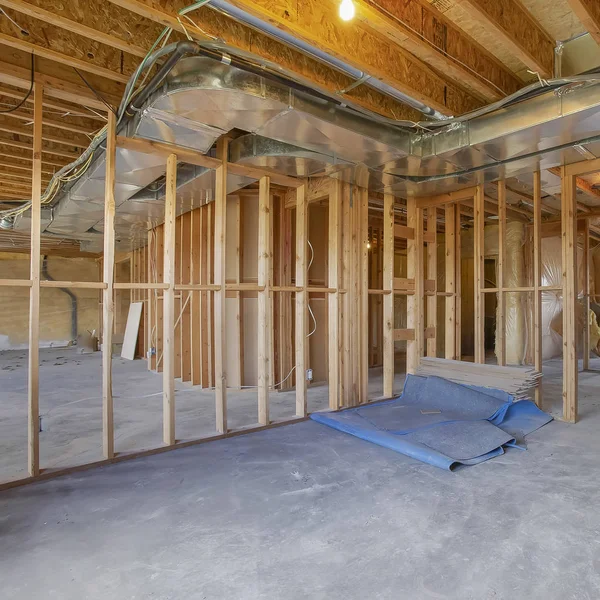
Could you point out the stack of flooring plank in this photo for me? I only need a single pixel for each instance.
(517, 381)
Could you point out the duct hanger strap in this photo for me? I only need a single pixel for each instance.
(354, 84)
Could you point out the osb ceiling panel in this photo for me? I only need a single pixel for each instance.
(479, 33)
(556, 17)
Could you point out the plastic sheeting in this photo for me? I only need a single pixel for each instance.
(442, 423)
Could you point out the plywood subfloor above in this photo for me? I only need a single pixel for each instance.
(560, 22)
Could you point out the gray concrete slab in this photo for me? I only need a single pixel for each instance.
(303, 511)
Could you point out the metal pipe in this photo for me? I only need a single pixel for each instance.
(69, 293)
(246, 18)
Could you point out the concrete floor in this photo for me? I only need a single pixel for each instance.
(71, 408)
(303, 511)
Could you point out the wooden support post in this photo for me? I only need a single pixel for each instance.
(586, 295)
(108, 433)
(220, 208)
(388, 299)
(537, 272)
(569, 265)
(346, 391)
(363, 294)
(264, 321)
(301, 300)
(432, 275)
(236, 367)
(478, 257)
(501, 309)
(169, 303)
(450, 242)
(195, 306)
(333, 300)
(33, 384)
(414, 270)
(458, 283)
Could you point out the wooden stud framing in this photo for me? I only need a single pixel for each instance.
(333, 300)
(478, 254)
(458, 283)
(363, 306)
(220, 354)
(301, 301)
(414, 270)
(33, 385)
(450, 242)
(264, 313)
(388, 299)
(586, 295)
(569, 265)
(432, 275)
(168, 362)
(537, 272)
(501, 309)
(108, 293)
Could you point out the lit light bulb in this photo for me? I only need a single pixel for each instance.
(368, 245)
(347, 10)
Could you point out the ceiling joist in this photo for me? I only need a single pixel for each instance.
(428, 34)
(58, 82)
(520, 31)
(588, 12)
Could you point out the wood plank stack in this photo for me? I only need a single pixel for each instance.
(516, 380)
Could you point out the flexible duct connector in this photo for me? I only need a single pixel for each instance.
(69, 293)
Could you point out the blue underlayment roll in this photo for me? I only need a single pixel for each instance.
(442, 423)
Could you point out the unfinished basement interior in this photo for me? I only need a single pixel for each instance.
(300, 299)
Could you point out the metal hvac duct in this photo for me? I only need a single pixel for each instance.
(301, 135)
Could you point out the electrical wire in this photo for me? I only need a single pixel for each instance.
(26, 97)
(94, 91)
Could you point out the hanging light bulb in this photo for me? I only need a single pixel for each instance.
(347, 10)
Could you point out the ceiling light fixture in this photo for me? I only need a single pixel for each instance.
(347, 10)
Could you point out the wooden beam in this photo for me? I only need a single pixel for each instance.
(537, 280)
(569, 262)
(333, 300)
(447, 198)
(432, 275)
(501, 308)
(450, 317)
(66, 48)
(56, 19)
(220, 208)
(588, 12)
(264, 321)
(46, 148)
(74, 141)
(301, 301)
(388, 299)
(428, 34)
(169, 303)
(68, 125)
(33, 384)
(67, 109)
(194, 157)
(414, 270)
(55, 87)
(478, 253)
(525, 37)
(108, 432)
